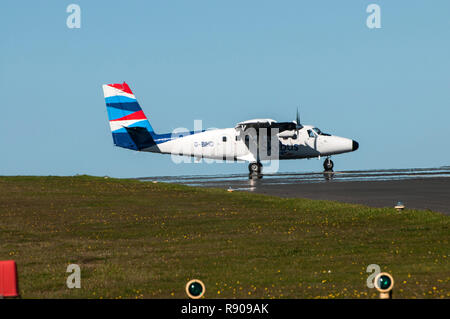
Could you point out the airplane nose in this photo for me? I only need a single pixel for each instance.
(355, 145)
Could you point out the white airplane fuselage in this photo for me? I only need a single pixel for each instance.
(252, 141)
(230, 143)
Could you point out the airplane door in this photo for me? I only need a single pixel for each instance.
(248, 143)
(241, 144)
(264, 144)
(312, 139)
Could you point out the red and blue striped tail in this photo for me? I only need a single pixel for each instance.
(129, 125)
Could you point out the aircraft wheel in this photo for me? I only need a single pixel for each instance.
(328, 165)
(254, 168)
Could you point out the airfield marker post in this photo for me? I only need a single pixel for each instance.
(8, 279)
(399, 207)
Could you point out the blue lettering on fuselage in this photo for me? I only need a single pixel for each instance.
(285, 148)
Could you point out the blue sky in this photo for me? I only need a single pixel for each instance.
(223, 62)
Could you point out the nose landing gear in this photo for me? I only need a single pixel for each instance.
(328, 165)
(255, 168)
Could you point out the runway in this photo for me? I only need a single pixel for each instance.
(419, 188)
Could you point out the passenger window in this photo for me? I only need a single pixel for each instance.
(224, 138)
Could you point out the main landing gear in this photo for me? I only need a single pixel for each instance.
(255, 168)
(328, 165)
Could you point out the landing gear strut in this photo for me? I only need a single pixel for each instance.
(328, 165)
(255, 168)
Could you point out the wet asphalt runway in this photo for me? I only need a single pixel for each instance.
(426, 188)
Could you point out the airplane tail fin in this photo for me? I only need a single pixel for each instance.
(129, 126)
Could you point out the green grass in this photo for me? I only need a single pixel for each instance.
(142, 240)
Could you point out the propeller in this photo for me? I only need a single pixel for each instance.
(298, 126)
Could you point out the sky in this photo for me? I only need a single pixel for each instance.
(223, 62)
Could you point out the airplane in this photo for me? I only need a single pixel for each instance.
(251, 141)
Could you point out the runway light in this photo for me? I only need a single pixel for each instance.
(195, 289)
(229, 189)
(400, 206)
(384, 283)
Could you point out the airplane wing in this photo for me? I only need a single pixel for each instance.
(266, 123)
(255, 123)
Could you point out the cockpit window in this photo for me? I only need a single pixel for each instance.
(311, 134)
(319, 132)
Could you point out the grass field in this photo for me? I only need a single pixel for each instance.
(142, 240)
